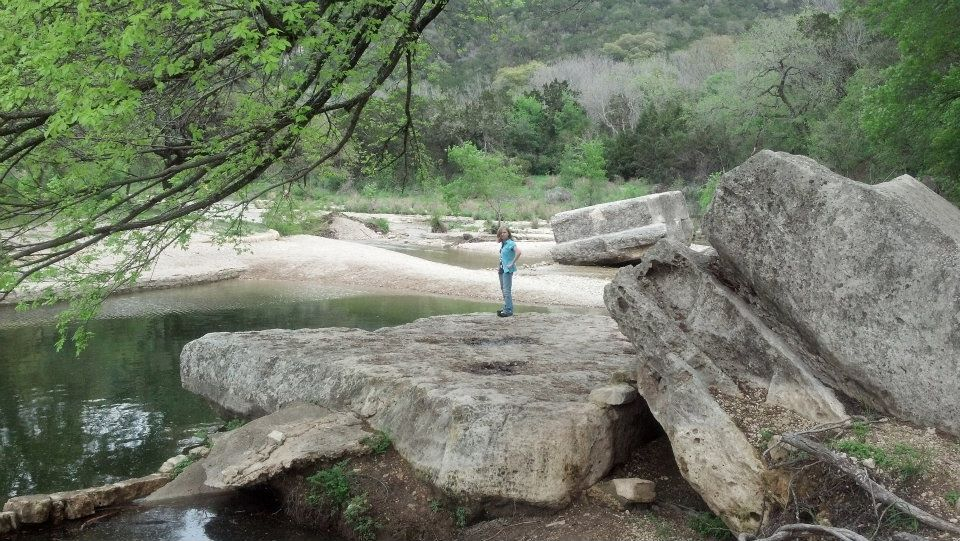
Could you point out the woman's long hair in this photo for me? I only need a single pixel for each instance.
(507, 229)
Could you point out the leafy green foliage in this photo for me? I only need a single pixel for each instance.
(357, 516)
(329, 486)
(914, 113)
(709, 526)
(122, 123)
(489, 177)
(952, 497)
(435, 505)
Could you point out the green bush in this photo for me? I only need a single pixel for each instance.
(488, 177)
(330, 486)
(357, 516)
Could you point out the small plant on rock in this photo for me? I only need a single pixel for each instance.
(379, 442)
(435, 505)
(952, 497)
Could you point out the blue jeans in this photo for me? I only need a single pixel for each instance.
(506, 282)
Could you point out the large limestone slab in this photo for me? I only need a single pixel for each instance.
(697, 339)
(485, 408)
(870, 275)
(666, 208)
(610, 249)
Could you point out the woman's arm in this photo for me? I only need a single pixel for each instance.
(516, 255)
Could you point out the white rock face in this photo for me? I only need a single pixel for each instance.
(871, 274)
(619, 232)
(485, 409)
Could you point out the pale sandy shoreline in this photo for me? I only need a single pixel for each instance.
(361, 266)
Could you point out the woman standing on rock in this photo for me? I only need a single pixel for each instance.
(509, 254)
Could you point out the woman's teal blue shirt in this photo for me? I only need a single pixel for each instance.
(508, 254)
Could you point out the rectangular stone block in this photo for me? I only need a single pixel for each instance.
(667, 208)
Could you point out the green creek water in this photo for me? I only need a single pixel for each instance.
(118, 411)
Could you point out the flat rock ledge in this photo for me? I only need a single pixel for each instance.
(485, 409)
(54, 508)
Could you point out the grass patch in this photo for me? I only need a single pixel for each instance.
(905, 461)
(330, 486)
(709, 526)
(379, 442)
(380, 225)
(436, 506)
(860, 430)
(952, 497)
(900, 521)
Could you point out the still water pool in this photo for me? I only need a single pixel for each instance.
(117, 409)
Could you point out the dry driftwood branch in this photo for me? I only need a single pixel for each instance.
(862, 477)
(797, 531)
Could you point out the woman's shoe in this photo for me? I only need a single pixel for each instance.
(501, 313)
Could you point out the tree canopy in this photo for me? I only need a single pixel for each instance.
(121, 120)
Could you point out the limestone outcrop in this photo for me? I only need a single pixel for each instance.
(818, 285)
(868, 275)
(697, 340)
(485, 410)
(619, 232)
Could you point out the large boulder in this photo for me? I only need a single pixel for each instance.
(483, 409)
(619, 232)
(701, 348)
(869, 276)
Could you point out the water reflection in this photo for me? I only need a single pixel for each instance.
(240, 518)
(117, 410)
